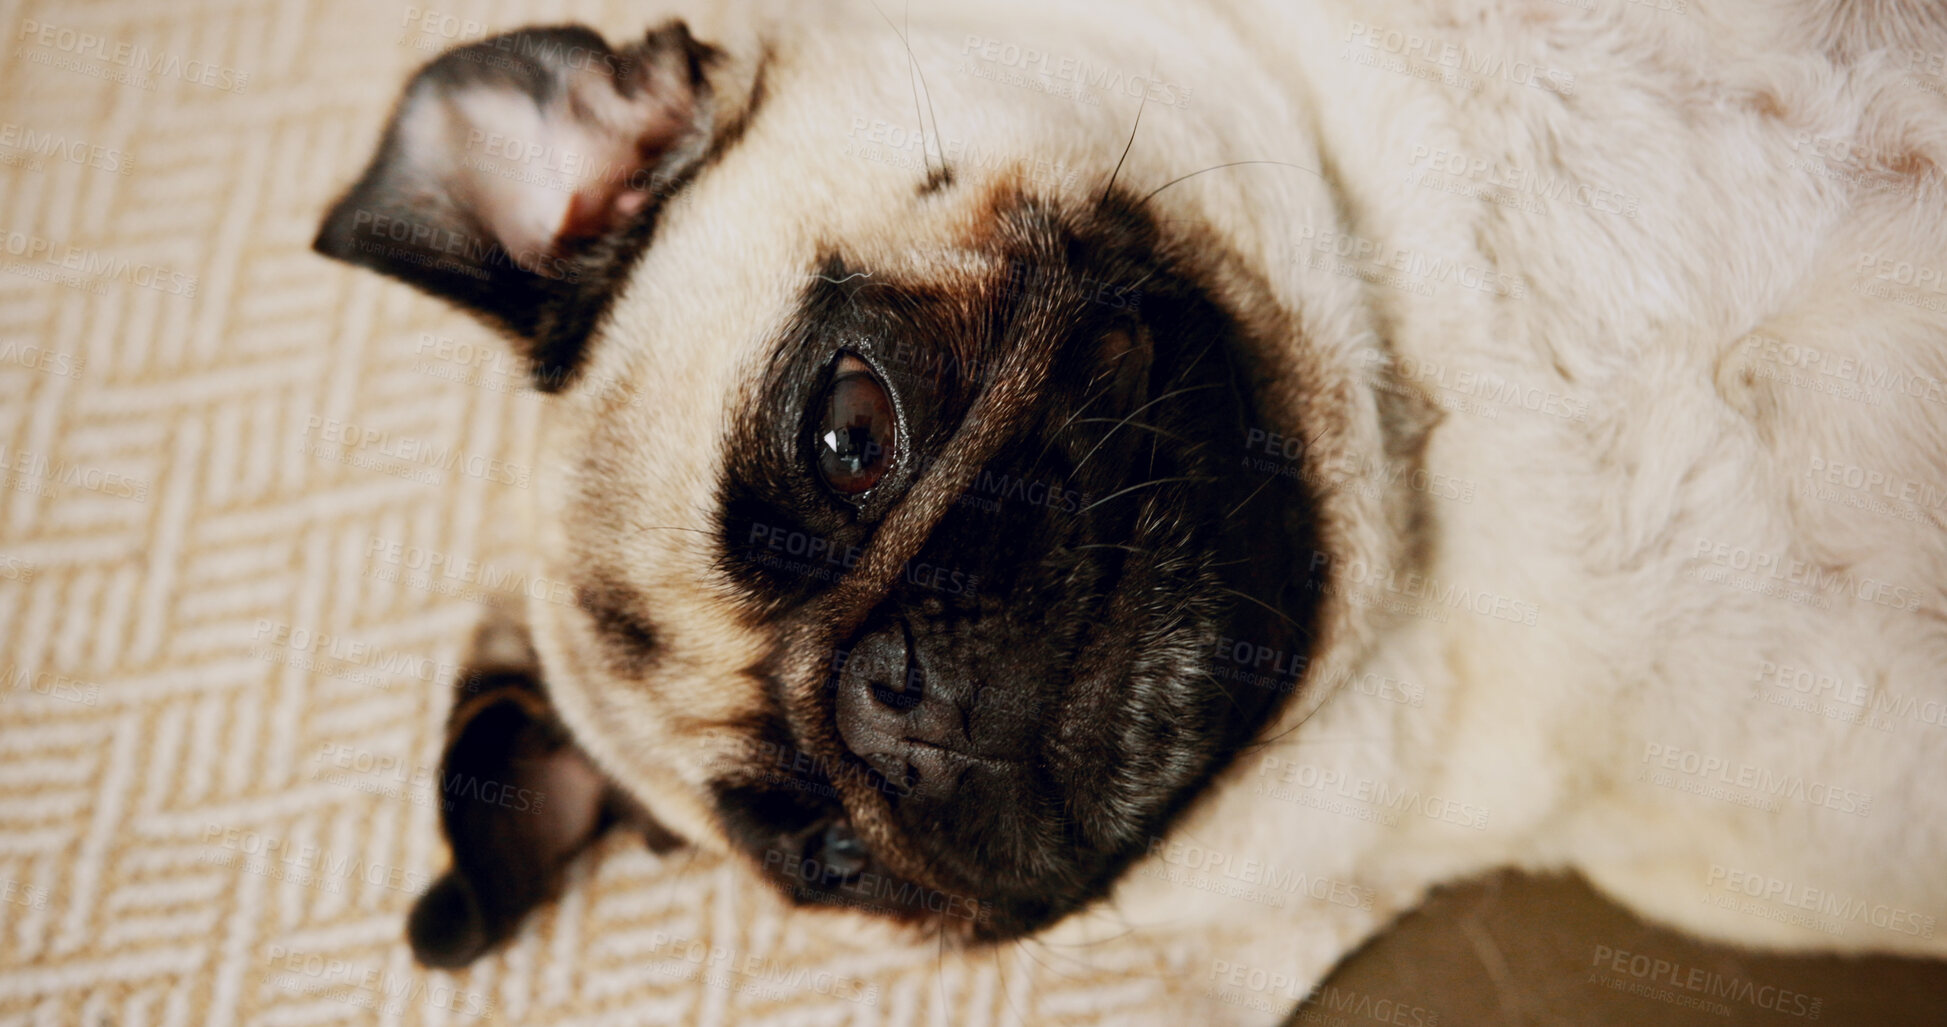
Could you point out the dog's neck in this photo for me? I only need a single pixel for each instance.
(1555, 331)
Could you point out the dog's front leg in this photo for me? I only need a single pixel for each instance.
(518, 801)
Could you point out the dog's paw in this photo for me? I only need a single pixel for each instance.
(447, 927)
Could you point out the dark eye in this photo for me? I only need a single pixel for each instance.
(856, 434)
(839, 850)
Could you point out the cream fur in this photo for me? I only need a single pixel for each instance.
(1666, 337)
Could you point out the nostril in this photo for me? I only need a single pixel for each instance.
(881, 665)
(895, 720)
(903, 692)
(876, 688)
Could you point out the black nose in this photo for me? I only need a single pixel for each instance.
(911, 733)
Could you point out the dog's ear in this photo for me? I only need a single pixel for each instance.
(507, 160)
(518, 802)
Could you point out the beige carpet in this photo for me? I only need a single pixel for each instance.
(224, 467)
(224, 677)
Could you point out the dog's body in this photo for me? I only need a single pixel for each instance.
(1604, 349)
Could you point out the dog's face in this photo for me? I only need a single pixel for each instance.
(906, 500)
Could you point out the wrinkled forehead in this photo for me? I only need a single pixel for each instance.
(819, 182)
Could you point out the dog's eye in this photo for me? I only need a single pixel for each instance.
(839, 849)
(857, 432)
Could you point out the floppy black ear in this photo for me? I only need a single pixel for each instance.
(518, 802)
(508, 160)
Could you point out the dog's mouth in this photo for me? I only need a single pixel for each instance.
(804, 841)
(926, 747)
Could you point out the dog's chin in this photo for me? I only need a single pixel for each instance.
(1024, 849)
(1136, 742)
(1133, 738)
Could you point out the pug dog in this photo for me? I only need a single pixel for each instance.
(1185, 479)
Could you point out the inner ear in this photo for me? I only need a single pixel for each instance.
(507, 161)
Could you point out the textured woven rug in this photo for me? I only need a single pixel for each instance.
(252, 504)
(223, 663)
